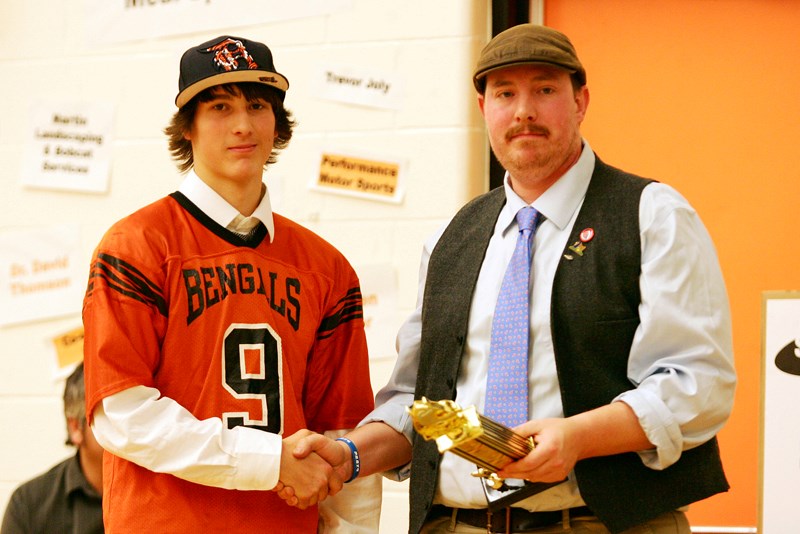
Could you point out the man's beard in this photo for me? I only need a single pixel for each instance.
(538, 159)
(542, 157)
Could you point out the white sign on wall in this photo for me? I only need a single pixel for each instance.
(780, 420)
(115, 21)
(69, 146)
(358, 85)
(41, 274)
(379, 294)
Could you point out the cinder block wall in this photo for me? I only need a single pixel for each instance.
(430, 46)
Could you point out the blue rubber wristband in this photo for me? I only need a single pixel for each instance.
(356, 459)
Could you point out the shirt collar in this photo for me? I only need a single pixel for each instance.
(218, 209)
(75, 480)
(561, 199)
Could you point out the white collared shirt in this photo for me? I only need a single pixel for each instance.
(685, 327)
(221, 212)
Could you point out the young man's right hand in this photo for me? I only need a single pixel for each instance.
(312, 467)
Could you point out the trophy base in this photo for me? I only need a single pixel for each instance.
(513, 490)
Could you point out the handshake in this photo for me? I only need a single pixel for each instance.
(313, 467)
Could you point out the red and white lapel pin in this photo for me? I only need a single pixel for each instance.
(578, 247)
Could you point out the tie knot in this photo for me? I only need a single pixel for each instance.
(526, 218)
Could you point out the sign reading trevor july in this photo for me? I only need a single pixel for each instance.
(361, 86)
(378, 179)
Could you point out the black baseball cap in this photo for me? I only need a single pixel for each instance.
(527, 43)
(227, 59)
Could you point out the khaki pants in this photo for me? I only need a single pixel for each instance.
(669, 523)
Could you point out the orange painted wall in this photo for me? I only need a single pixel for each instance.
(704, 95)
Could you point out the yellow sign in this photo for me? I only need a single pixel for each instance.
(69, 347)
(359, 176)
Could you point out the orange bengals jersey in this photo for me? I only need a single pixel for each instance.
(258, 333)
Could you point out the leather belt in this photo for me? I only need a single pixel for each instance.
(508, 519)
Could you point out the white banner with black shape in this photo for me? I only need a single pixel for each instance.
(780, 418)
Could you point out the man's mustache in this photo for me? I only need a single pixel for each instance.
(525, 129)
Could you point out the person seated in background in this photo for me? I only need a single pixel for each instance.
(67, 499)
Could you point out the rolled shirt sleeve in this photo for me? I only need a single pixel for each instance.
(681, 360)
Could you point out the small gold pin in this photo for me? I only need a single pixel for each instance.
(578, 248)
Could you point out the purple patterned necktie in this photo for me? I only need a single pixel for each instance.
(507, 383)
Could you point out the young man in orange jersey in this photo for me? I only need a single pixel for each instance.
(217, 330)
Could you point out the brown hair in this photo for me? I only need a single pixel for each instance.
(182, 120)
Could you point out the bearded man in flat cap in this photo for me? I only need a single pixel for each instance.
(581, 305)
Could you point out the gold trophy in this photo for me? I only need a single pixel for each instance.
(478, 439)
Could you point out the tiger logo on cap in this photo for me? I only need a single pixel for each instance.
(227, 54)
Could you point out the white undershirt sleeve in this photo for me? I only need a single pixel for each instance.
(157, 433)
